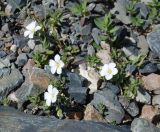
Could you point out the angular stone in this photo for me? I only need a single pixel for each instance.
(10, 82)
(148, 68)
(151, 82)
(114, 111)
(21, 59)
(104, 55)
(143, 96)
(156, 100)
(10, 118)
(92, 114)
(149, 112)
(76, 89)
(154, 41)
(143, 125)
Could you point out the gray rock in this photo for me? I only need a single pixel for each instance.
(130, 51)
(21, 59)
(100, 8)
(2, 54)
(143, 96)
(148, 68)
(76, 89)
(9, 118)
(91, 6)
(4, 63)
(130, 106)
(17, 4)
(154, 41)
(10, 82)
(142, 44)
(142, 9)
(20, 41)
(156, 100)
(143, 125)
(106, 97)
(5, 28)
(130, 69)
(96, 35)
(86, 30)
(91, 50)
(115, 89)
(40, 11)
(31, 44)
(120, 7)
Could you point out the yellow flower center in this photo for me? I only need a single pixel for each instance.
(109, 71)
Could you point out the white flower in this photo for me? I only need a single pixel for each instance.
(31, 29)
(56, 65)
(51, 95)
(108, 70)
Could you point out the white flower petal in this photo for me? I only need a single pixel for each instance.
(46, 95)
(48, 102)
(55, 91)
(59, 70)
(53, 70)
(61, 63)
(31, 26)
(114, 71)
(54, 99)
(104, 70)
(31, 35)
(108, 76)
(112, 65)
(57, 58)
(52, 63)
(37, 28)
(26, 33)
(50, 89)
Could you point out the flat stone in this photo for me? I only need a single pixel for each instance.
(154, 41)
(92, 114)
(114, 111)
(143, 96)
(104, 55)
(4, 63)
(9, 118)
(76, 89)
(149, 112)
(148, 68)
(143, 125)
(95, 34)
(21, 59)
(151, 82)
(156, 100)
(10, 82)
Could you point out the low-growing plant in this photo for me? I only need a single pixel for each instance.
(79, 9)
(35, 99)
(137, 21)
(106, 25)
(5, 101)
(101, 109)
(93, 60)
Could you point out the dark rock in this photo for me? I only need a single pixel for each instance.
(115, 89)
(130, 69)
(40, 11)
(130, 106)
(2, 54)
(120, 33)
(4, 63)
(21, 59)
(154, 41)
(143, 125)
(86, 29)
(143, 96)
(96, 35)
(76, 88)
(17, 4)
(20, 41)
(148, 68)
(10, 82)
(9, 118)
(142, 9)
(100, 8)
(114, 111)
(130, 50)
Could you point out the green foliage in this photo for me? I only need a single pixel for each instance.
(79, 9)
(154, 4)
(101, 109)
(93, 60)
(5, 101)
(137, 60)
(137, 21)
(35, 99)
(106, 25)
(131, 88)
(131, 8)
(69, 51)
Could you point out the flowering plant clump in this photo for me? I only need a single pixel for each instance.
(31, 29)
(51, 95)
(56, 65)
(108, 70)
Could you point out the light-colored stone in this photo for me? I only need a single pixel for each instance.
(91, 75)
(92, 114)
(104, 55)
(156, 100)
(151, 82)
(149, 112)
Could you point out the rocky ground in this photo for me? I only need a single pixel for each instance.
(85, 40)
